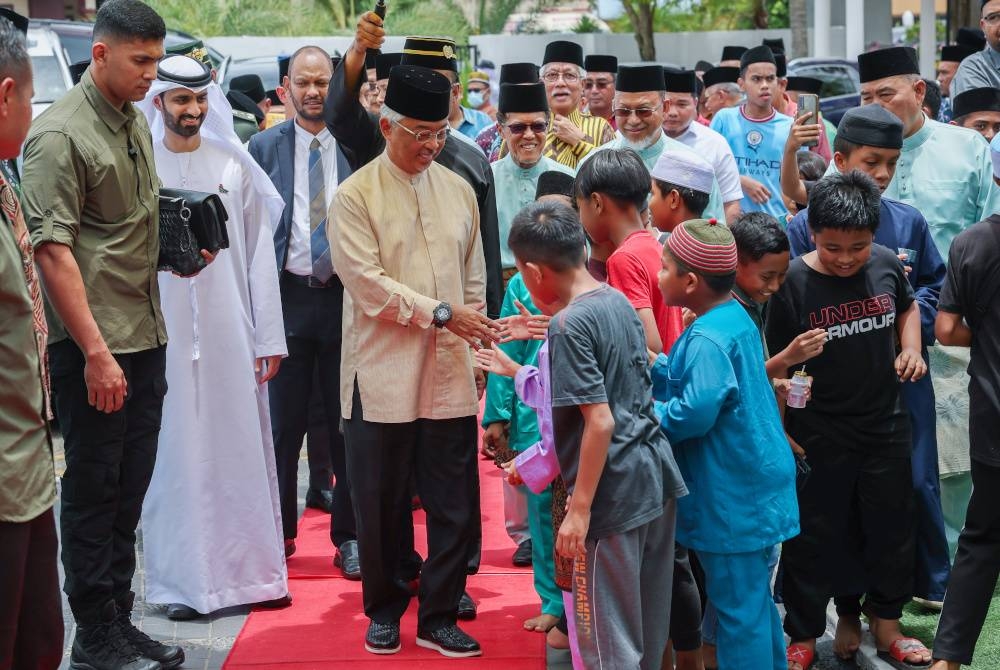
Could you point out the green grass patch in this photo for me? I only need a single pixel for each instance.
(922, 624)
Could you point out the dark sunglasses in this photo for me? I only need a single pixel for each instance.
(537, 128)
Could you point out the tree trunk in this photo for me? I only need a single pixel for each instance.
(800, 28)
(963, 13)
(760, 17)
(641, 14)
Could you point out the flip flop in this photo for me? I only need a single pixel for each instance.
(801, 654)
(897, 652)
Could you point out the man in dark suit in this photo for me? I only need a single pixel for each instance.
(306, 165)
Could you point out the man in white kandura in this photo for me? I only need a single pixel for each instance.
(211, 521)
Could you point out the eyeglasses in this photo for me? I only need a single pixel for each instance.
(599, 85)
(538, 128)
(425, 136)
(642, 112)
(568, 77)
(992, 19)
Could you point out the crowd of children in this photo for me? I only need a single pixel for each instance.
(657, 389)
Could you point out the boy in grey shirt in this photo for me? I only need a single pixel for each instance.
(617, 464)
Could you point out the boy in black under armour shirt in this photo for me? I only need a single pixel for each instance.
(856, 506)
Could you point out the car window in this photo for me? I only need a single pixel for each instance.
(48, 79)
(837, 80)
(76, 47)
(266, 69)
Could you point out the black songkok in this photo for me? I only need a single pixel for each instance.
(600, 64)
(759, 54)
(555, 182)
(733, 52)
(523, 98)
(20, 22)
(985, 99)
(384, 63)
(720, 75)
(249, 85)
(561, 51)
(680, 81)
(437, 53)
(805, 85)
(418, 93)
(889, 62)
(871, 126)
(956, 53)
(518, 73)
(777, 46)
(640, 78)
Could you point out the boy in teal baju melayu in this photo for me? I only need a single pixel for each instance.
(503, 406)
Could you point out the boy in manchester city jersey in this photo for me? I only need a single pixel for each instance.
(756, 132)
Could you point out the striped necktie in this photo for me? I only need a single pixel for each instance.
(321, 263)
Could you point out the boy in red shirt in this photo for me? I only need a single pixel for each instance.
(611, 192)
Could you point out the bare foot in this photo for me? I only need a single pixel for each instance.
(557, 639)
(541, 624)
(886, 632)
(945, 665)
(808, 644)
(689, 660)
(848, 637)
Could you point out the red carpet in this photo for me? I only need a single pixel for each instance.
(326, 625)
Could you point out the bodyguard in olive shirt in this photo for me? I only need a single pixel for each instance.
(90, 196)
(31, 628)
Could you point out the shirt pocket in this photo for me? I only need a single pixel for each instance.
(113, 193)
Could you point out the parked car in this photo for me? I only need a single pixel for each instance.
(54, 45)
(841, 84)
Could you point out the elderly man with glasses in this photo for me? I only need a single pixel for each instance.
(406, 242)
(573, 134)
(639, 107)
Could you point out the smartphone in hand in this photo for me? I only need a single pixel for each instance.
(809, 102)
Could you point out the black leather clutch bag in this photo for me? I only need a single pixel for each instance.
(189, 222)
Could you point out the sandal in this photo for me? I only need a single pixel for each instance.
(801, 654)
(897, 652)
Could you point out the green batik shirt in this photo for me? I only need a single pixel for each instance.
(27, 481)
(89, 182)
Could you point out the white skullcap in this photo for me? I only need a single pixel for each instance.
(685, 169)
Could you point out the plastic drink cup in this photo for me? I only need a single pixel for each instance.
(797, 393)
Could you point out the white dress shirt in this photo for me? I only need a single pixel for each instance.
(299, 250)
(713, 147)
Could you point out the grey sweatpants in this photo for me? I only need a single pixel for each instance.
(621, 595)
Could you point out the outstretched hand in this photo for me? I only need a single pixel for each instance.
(523, 326)
(496, 361)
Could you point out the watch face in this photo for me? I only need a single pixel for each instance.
(441, 313)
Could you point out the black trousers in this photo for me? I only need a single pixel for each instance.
(31, 624)
(313, 318)
(380, 460)
(685, 604)
(857, 528)
(318, 439)
(977, 567)
(109, 462)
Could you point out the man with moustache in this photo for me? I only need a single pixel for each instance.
(306, 165)
(573, 134)
(599, 86)
(405, 239)
(978, 109)
(639, 104)
(226, 342)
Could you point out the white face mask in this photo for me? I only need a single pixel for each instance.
(475, 99)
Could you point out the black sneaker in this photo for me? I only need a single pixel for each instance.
(168, 656)
(101, 646)
(382, 638)
(450, 641)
